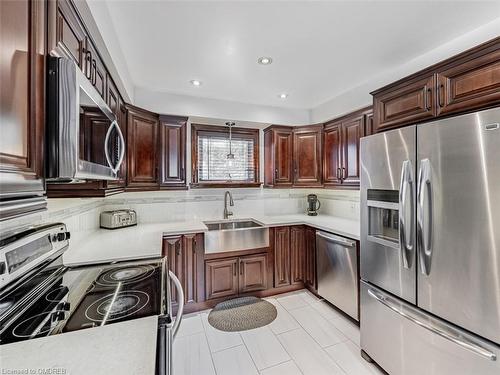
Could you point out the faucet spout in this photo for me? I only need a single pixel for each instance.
(228, 213)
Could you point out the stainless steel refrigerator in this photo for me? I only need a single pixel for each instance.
(430, 247)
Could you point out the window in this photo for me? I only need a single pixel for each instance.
(211, 166)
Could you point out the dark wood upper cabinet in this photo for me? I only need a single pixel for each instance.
(281, 256)
(469, 84)
(310, 251)
(142, 146)
(221, 277)
(307, 155)
(332, 154)
(172, 151)
(66, 31)
(297, 254)
(467, 81)
(278, 156)
(94, 69)
(352, 131)
(405, 103)
(22, 105)
(253, 273)
(369, 123)
(341, 149)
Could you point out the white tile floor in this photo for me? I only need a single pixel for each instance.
(308, 337)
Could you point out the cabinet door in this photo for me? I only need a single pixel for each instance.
(94, 69)
(69, 35)
(332, 155)
(253, 273)
(281, 256)
(310, 247)
(404, 104)
(22, 103)
(352, 131)
(142, 143)
(221, 277)
(307, 156)
(469, 85)
(191, 271)
(369, 124)
(283, 160)
(172, 249)
(172, 152)
(297, 254)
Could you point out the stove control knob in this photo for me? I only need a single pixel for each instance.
(64, 306)
(59, 315)
(63, 236)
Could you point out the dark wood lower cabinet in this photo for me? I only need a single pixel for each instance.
(253, 273)
(221, 278)
(281, 256)
(185, 260)
(236, 275)
(297, 254)
(310, 259)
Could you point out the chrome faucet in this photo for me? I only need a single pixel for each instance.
(228, 213)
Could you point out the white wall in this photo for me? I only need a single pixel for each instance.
(96, 11)
(359, 97)
(184, 105)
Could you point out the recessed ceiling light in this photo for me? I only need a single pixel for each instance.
(265, 60)
(283, 96)
(195, 82)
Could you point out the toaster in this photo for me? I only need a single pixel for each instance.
(118, 219)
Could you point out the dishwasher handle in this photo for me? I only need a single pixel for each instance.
(336, 239)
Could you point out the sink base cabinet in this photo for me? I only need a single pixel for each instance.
(229, 277)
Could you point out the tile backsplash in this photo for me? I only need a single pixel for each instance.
(81, 215)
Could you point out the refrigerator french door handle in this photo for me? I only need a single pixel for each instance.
(406, 237)
(457, 339)
(424, 229)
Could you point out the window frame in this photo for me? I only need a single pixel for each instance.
(199, 129)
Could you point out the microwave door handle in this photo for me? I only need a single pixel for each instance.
(114, 124)
(424, 229)
(405, 235)
(122, 148)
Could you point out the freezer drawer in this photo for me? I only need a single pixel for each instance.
(405, 340)
(337, 265)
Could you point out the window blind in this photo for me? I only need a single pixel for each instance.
(213, 164)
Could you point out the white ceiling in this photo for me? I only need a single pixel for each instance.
(320, 49)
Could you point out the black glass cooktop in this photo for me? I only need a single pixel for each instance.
(83, 298)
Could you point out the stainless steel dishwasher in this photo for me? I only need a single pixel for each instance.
(337, 265)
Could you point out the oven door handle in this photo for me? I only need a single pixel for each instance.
(180, 301)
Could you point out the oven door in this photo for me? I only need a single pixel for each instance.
(85, 141)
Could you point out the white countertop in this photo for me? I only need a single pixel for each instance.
(120, 348)
(338, 225)
(145, 240)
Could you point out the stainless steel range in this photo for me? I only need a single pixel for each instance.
(41, 297)
(430, 247)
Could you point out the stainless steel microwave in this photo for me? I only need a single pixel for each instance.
(84, 140)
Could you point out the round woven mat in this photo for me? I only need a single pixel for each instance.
(241, 314)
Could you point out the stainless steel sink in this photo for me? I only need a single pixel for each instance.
(234, 235)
